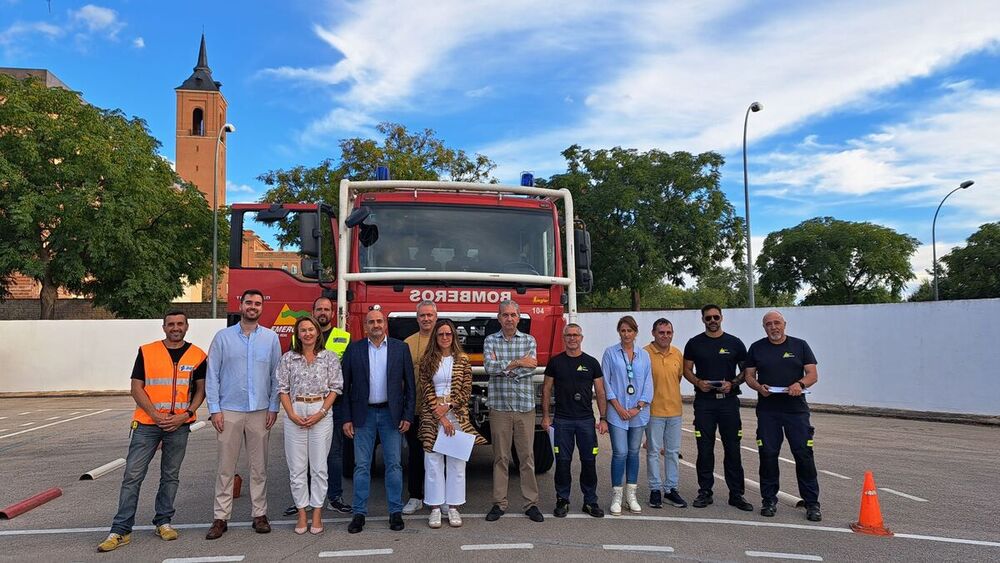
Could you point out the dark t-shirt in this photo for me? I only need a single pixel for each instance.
(715, 359)
(573, 384)
(780, 365)
(139, 369)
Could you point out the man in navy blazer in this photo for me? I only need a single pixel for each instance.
(379, 400)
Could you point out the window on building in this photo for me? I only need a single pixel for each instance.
(198, 122)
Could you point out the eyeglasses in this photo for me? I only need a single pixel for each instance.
(571, 335)
(713, 317)
(445, 334)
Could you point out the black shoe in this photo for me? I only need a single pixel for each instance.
(357, 524)
(739, 502)
(768, 509)
(337, 505)
(702, 501)
(813, 514)
(655, 500)
(593, 510)
(494, 514)
(675, 499)
(534, 514)
(562, 508)
(291, 511)
(396, 521)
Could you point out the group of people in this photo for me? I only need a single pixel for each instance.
(382, 388)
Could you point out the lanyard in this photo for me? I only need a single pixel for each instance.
(628, 364)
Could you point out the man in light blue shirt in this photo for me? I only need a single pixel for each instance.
(241, 389)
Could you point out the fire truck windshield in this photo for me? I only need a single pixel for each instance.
(444, 238)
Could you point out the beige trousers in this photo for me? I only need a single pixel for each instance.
(242, 428)
(517, 428)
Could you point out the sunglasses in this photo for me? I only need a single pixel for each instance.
(713, 317)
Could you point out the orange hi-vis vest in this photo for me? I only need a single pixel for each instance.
(168, 385)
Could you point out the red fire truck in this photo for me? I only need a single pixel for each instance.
(465, 246)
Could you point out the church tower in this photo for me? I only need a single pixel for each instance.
(201, 112)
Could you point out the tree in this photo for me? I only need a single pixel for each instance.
(969, 272)
(653, 215)
(88, 205)
(841, 262)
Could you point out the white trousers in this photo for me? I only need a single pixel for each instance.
(306, 450)
(444, 479)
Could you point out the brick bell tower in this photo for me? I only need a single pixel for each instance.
(201, 112)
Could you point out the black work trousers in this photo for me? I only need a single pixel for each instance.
(772, 428)
(723, 414)
(414, 463)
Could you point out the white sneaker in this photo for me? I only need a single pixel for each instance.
(454, 518)
(413, 505)
(435, 520)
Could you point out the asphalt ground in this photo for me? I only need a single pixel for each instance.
(937, 489)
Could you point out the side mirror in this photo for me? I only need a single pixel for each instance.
(581, 238)
(310, 235)
(357, 217)
(310, 268)
(584, 280)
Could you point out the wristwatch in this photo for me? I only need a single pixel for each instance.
(189, 412)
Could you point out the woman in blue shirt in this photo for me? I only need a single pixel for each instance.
(628, 383)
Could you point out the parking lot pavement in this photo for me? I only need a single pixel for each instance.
(935, 483)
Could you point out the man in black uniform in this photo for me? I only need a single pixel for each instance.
(576, 377)
(780, 368)
(712, 364)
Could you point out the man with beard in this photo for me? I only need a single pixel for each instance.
(427, 315)
(780, 368)
(168, 385)
(712, 363)
(242, 392)
(335, 339)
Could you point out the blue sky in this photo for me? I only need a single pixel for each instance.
(872, 110)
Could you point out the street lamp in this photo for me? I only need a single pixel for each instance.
(754, 107)
(961, 186)
(227, 128)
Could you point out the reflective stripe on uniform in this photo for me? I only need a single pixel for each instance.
(809, 443)
(697, 433)
(160, 381)
(760, 443)
(555, 449)
(595, 450)
(739, 433)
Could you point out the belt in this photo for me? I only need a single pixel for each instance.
(378, 405)
(308, 399)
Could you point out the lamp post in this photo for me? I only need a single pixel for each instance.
(934, 265)
(754, 107)
(227, 128)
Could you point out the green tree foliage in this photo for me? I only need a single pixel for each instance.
(653, 216)
(842, 262)
(88, 205)
(969, 272)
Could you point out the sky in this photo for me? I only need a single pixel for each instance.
(872, 111)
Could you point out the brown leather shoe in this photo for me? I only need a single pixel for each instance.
(261, 525)
(218, 528)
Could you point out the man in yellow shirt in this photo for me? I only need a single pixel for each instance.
(427, 315)
(663, 433)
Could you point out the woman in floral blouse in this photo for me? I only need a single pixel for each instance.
(309, 381)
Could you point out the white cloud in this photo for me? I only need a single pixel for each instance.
(97, 19)
(234, 188)
(16, 31)
(479, 92)
(138, 42)
(338, 120)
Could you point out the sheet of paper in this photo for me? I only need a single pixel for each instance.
(785, 390)
(552, 437)
(458, 446)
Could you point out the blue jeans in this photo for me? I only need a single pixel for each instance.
(335, 461)
(141, 450)
(378, 421)
(625, 444)
(580, 433)
(663, 433)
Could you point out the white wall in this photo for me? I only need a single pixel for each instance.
(85, 355)
(938, 357)
(915, 356)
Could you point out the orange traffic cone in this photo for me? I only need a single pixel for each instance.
(870, 518)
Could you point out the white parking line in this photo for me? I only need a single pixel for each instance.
(754, 450)
(53, 423)
(784, 459)
(492, 546)
(776, 555)
(53, 417)
(74, 412)
(832, 474)
(26, 424)
(3, 429)
(3, 418)
(904, 495)
(655, 548)
(211, 559)
(355, 553)
(24, 413)
(788, 499)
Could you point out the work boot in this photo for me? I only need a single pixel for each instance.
(741, 503)
(704, 499)
(768, 509)
(562, 508)
(616, 501)
(593, 510)
(630, 499)
(812, 513)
